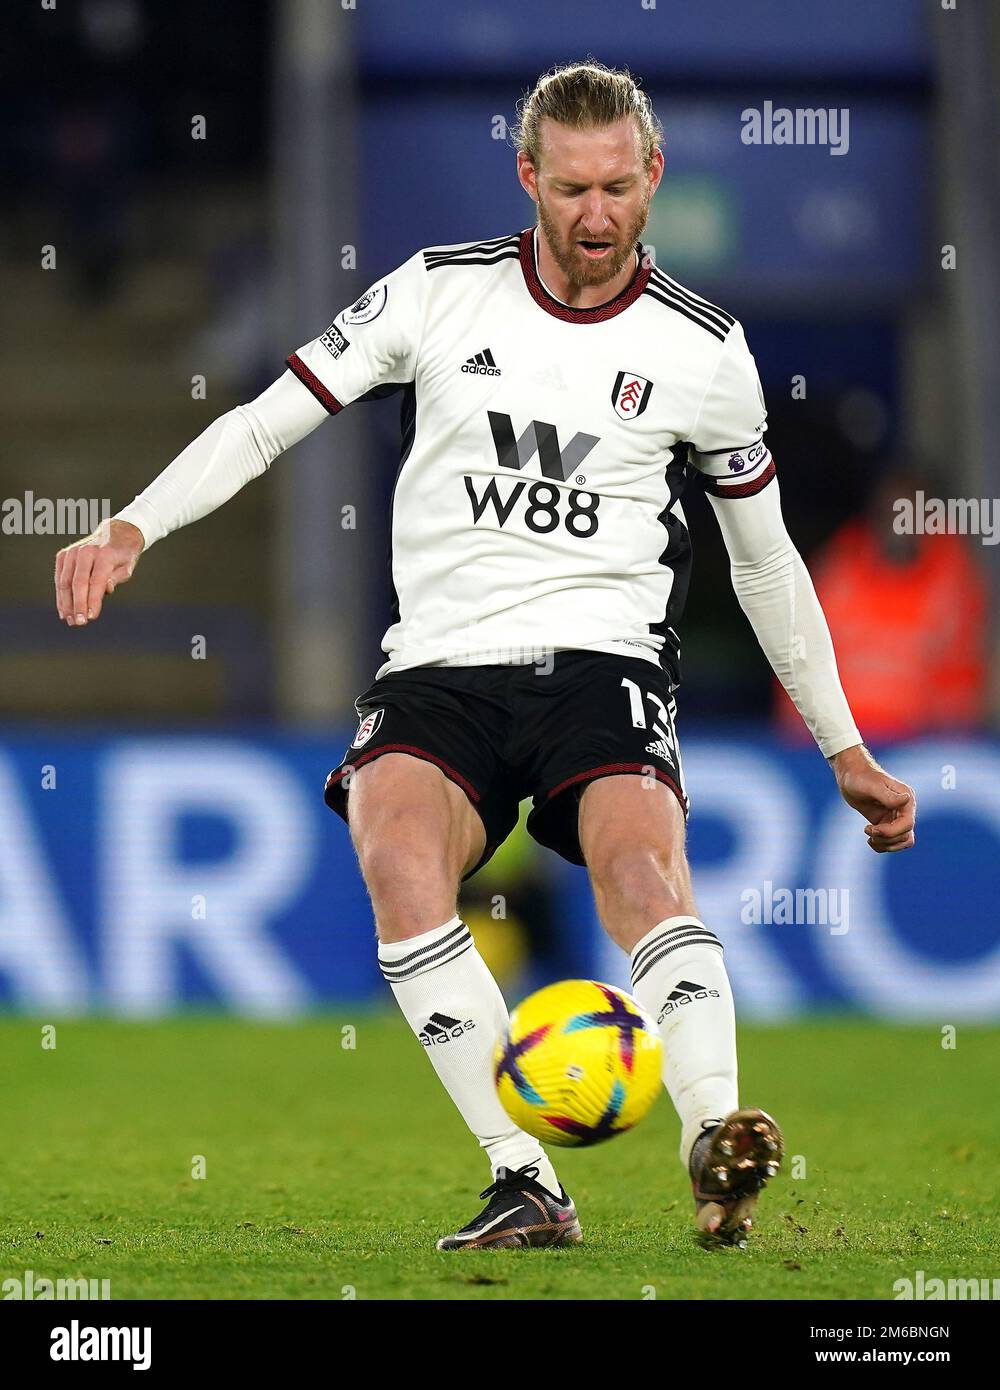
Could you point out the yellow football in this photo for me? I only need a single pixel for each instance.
(580, 1063)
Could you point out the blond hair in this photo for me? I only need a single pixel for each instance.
(583, 95)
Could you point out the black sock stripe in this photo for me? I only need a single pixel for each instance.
(392, 973)
(639, 971)
(679, 938)
(688, 927)
(422, 950)
(708, 940)
(675, 939)
(433, 963)
(641, 974)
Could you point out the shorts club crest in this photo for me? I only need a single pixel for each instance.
(367, 727)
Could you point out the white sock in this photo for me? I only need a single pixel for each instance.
(454, 1005)
(678, 976)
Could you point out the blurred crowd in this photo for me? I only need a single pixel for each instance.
(909, 613)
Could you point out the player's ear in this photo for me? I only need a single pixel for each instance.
(655, 171)
(526, 176)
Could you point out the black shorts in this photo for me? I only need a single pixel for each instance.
(503, 733)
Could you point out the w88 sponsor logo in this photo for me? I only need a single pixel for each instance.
(545, 505)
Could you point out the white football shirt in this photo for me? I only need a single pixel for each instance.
(545, 449)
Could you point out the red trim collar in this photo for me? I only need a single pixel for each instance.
(599, 312)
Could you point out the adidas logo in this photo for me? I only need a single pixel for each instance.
(481, 364)
(439, 1028)
(661, 749)
(685, 993)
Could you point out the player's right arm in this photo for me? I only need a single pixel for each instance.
(372, 344)
(235, 448)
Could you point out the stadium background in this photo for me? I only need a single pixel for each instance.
(165, 843)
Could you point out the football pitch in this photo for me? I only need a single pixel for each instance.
(330, 1168)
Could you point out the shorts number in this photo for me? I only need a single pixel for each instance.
(638, 712)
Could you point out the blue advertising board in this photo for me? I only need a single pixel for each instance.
(141, 874)
(730, 38)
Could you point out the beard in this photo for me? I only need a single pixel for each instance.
(580, 271)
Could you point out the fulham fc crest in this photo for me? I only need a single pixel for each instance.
(630, 395)
(367, 727)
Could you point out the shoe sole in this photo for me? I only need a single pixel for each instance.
(743, 1155)
(545, 1237)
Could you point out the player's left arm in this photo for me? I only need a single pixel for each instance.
(777, 594)
(775, 591)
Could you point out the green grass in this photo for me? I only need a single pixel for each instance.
(329, 1168)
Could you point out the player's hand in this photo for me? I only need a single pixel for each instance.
(95, 566)
(889, 806)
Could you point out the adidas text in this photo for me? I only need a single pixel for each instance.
(685, 993)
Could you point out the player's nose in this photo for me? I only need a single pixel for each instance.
(595, 218)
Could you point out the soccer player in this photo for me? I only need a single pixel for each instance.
(558, 392)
